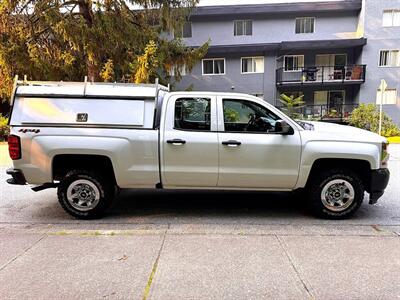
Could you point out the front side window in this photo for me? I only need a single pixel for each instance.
(252, 64)
(243, 27)
(389, 96)
(389, 58)
(247, 116)
(294, 62)
(192, 114)
(214, 66)
(305, 25)
(391, 17)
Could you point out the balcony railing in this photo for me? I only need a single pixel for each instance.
(322, 74)
(339, 113)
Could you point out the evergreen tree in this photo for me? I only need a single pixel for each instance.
(104, 39)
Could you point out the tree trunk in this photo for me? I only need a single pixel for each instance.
(85, 9)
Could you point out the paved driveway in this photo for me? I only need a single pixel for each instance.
(198, 245)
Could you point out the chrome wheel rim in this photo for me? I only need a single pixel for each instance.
(83, 195)
(337, 195)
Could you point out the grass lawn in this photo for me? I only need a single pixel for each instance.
(394, 140)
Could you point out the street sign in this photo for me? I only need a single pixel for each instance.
(383, 85)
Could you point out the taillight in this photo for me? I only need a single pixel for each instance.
(14, 147)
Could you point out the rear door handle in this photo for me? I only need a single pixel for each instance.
(231, 143)
(176, 142)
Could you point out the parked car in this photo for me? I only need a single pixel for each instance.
(89, 140)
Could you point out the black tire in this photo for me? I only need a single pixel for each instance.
(315, 190)
(105, 190)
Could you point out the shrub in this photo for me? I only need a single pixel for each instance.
(366, 116)
(4, 129)
(292, 104)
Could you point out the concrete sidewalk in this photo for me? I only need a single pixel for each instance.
(181, 245)
(188, 261)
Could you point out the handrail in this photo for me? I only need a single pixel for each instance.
(326, 112)
(320, 66)
(321, 74)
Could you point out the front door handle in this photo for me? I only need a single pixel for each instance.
(231, 143)
(176, 142)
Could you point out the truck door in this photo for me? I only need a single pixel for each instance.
(252, 153)
(189, 142)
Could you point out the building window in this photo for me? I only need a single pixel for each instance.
(294, 63)
(330, 60)
(192, 114)
(305, 25)
(252, 65)
(389, 96)
(391, 18)
(185, 31)
(174, 69)
(334, 99)
(243, 27)
(389, 58)
(213, 66)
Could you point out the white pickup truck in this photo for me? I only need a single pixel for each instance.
(90, 140)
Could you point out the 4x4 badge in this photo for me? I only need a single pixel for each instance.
(23, 130)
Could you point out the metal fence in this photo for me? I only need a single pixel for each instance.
(321, 74)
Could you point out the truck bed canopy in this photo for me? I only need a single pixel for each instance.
(85, 104)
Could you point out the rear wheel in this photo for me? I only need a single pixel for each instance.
(335, 194)
(84, 194)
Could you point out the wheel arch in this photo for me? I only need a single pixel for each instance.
(63, 163)
(361, 167)
(317, 154)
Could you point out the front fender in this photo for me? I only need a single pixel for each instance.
(315, 150)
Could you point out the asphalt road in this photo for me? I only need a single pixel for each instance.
(19, 204)
(198, 245)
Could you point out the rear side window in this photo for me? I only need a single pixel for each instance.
(192, 114)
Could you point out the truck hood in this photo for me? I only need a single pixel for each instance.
(345, 132)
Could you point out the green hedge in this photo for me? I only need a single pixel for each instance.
(366, 116)
(4, 129)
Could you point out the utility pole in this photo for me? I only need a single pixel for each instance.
(382, 88)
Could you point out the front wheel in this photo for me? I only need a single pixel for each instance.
(84, 194)
(335, 194)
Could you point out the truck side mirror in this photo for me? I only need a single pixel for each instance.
(282, 127)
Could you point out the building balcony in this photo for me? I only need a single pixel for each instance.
(318, 75)
(339, 113)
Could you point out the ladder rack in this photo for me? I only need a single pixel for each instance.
(88, 88)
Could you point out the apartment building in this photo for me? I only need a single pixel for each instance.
(333, 52)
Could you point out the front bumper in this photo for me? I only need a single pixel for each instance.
(18, 177)
(378, 183)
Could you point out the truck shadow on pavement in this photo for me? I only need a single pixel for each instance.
(140, 203)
